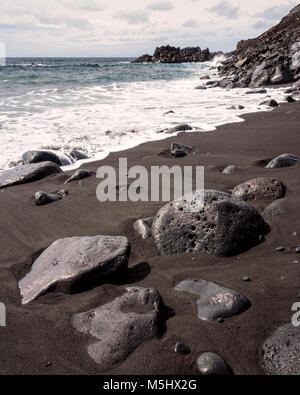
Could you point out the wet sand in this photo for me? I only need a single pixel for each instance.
(42, 331)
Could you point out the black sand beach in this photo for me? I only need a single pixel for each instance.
(40, 338)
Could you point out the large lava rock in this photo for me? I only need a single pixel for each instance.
(120, 327)
(281, 351)
(265, 189)
(216, 301)
(27, 173)
(207, 222)
(69, 262)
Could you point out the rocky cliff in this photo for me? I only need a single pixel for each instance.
(168, 54)
(272, 58)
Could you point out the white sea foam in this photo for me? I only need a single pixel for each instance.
(104, 119)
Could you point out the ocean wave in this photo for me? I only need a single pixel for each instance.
(100, 114)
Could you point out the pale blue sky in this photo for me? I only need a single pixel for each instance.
(131, 27)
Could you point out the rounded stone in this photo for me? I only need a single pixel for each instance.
(207, 221)
(290, 99)
(179, 128)
(260, 189)
(181, 348)
(246, 279)
(210, 364)
(269, 103)
(229, 169)
(43, 198)
(284, 160)
(143, 227)
(40, 156)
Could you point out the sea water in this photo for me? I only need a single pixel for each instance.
(102, 105)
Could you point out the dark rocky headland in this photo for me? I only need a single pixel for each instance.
(270, 59)
(168, 54)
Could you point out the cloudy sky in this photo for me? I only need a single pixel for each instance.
(131, 27)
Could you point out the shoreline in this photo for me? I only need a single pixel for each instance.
(27, 229)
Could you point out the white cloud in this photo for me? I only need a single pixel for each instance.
(191, 23)
(133, 17)
(161, 6)
(134, 27)
(225, 9)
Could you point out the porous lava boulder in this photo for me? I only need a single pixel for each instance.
(215, 301)
(207, 221)
(281, 351)
(264, 189)
(27, 173)
(284, 160)
(120, 327)
(70, 262)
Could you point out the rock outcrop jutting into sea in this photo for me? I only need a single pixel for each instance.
(168, 54)
(270, 59)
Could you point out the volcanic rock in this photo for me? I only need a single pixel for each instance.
(215, 300)
(207, 221)
(27, 173)
(120, 327)
(281, 351)
(68, 262)
(260, 189)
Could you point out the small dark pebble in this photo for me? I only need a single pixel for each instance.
(220, 320)
(47, 364)
(298, 250)
(246, 279)
(181, 348)
(280, 249)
